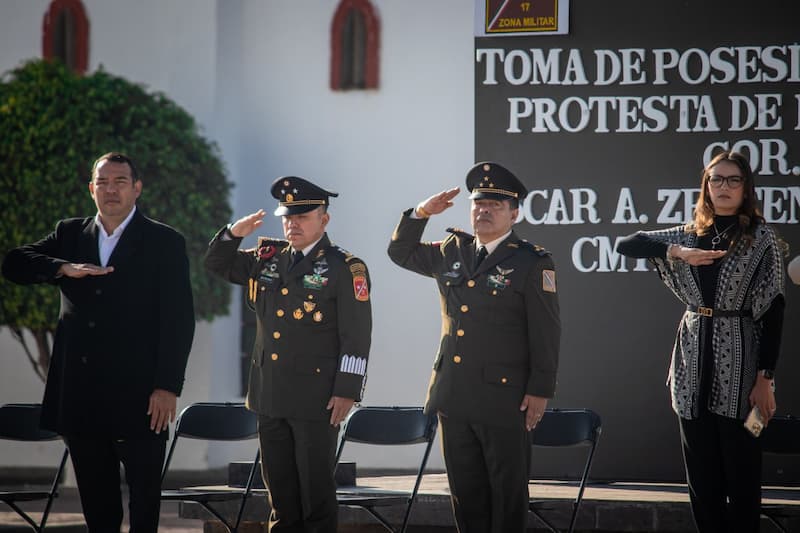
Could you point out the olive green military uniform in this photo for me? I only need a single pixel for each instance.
(500, 341)
(312, 343)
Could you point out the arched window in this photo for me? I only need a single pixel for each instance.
(65, 34)
(355, 40)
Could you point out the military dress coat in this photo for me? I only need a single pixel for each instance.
(500, 323)
(119, 336)
(314, 323)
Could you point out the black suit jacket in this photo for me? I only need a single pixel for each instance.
(119, 336)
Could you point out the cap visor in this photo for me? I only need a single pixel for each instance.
(284, 210)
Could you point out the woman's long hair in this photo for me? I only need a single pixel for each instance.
(749, 214)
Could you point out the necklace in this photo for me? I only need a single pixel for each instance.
(719, 235)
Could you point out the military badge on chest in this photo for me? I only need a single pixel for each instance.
(454, 271)
(267, 271)
(498, 280)
(317, 281)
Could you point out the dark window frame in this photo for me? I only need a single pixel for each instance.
(80, 33)
(371, 44)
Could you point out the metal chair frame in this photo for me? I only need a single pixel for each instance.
(780, 437)
(214, 422)
(566, 428)
(388, 426)
(20, 421)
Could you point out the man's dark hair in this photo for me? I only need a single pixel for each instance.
(117, 157)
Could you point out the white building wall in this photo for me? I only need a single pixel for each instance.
(255, 75)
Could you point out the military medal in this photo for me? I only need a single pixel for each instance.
(298, 314)
(318, 316)
(309, 306)
(499, 280)
(314, 281)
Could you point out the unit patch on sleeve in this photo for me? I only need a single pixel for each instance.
(360, 287)
(549, 280)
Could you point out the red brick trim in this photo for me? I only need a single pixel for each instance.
(75, 7)
(373, 30)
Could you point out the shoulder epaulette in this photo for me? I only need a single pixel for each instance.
(460, 233)
(342, 253)
(535, 248)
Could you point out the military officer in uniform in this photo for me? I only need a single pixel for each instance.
(498, 355)
(309, 361)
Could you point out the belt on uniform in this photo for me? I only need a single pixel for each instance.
(711, 312)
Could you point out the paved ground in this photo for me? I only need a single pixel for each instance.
(607, 508)
(66, 517)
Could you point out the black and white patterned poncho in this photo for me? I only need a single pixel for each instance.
(750, 278)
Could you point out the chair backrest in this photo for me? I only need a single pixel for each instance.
(781, 436)
(567, 427)
(389, 426)
(20, 421)
(217, 421)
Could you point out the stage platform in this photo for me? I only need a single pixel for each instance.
(608, 507)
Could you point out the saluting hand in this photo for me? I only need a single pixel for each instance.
(437, 203)
(81, 270)
(247, 225)
(696, 256)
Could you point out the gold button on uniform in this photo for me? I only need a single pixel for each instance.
(460, 332)
(456, 359)
(274, 357)
(471, 283)
(284, 291)
(279, 312)
(464, 308)
(503, 380)
(276, 335)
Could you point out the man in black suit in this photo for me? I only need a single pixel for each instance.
(498, 356)
(121, 345)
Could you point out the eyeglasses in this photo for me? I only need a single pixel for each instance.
(734, 182)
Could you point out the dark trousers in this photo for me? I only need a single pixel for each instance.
(297, 461)
(723, 471)
(96, 462)
(487, 469)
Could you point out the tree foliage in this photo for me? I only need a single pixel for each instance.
(53, 125)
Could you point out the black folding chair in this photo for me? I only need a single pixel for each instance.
(387, 426)
(566, 428)
(781, 437)
(20, 421)
(217, 422)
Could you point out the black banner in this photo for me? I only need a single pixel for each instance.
(610, 127)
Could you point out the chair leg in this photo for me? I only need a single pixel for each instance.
(550, 527)
(379, 518)
(774, 522)
(54, 489)
(24, 515)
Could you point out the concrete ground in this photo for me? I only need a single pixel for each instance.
(607, 508)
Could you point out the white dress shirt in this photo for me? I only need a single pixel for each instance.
(105, 242)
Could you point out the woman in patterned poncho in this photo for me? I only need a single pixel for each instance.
(727, 267)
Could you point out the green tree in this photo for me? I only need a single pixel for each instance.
(53, 124)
